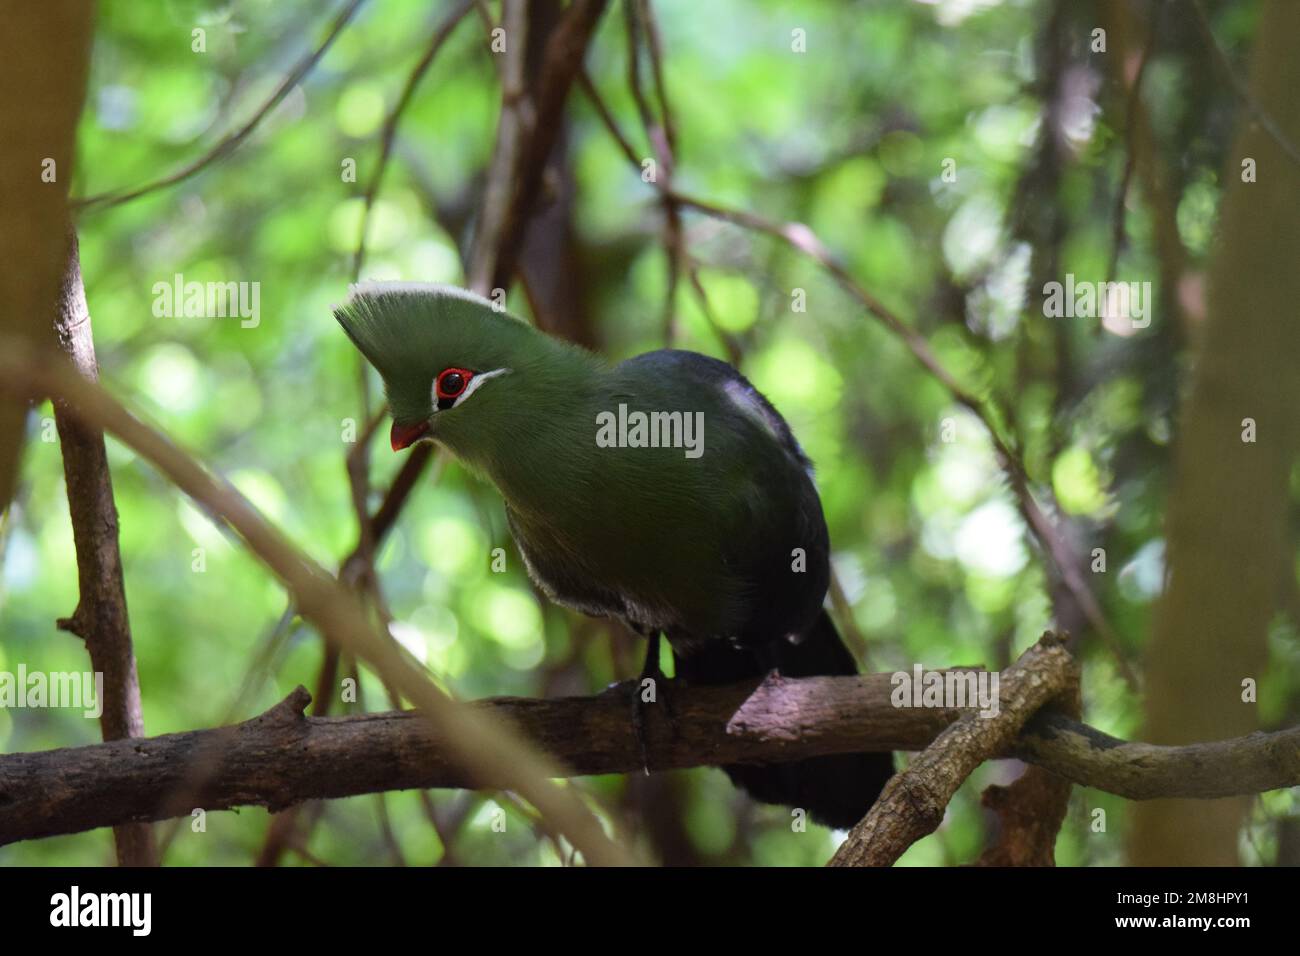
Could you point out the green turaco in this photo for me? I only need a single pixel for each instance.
(663, 490)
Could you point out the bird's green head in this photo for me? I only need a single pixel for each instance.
(442, 353)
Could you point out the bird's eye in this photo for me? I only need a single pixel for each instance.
(450, 385)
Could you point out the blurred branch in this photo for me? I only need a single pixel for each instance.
(357, 465)
(655, 41)
(565, 49)
(283, 757)
(1158, 181)
(515, 124)
(485, 748)
(662, 140)
(100, 618)
(913, 802)
(1132, 119)
(1239, 87)
(230, 142)
(665, 136)
(389, 133)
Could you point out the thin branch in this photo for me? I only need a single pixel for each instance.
(485, 748)
(1239, 87)
(655, 41)
(1157, 179)
(485, 16)
(565, 49)
(230, 142)
(101, 618)
(661, 132)
(1131, 121)
(674, 234)
(394, 119)
(655, 131)
(283, 758)
(515, 125)
(913, 802)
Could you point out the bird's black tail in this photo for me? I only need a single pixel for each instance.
(837, 790)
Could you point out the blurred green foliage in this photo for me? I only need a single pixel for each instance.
(849, 138)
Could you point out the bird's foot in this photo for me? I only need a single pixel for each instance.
(649, 689)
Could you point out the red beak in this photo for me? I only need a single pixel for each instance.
(403, 436)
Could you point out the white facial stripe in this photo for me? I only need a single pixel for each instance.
(474, 383)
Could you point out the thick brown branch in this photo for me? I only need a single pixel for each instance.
(283, 758)
(1032, 808)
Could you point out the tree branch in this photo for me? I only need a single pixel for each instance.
(515, 124)
(913, 802)
(282, 757)
(100, 618)
(1031, 809)
(565, 50)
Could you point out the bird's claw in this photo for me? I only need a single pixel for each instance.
(658, 689)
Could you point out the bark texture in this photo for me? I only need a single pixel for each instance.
(283, 757)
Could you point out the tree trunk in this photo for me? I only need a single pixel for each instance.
(1229, 502)
(44, 56)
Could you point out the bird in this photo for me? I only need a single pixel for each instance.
(664, 491)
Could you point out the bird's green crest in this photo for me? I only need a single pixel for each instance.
(411, 331)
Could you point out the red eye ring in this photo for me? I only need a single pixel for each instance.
(452, 382)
